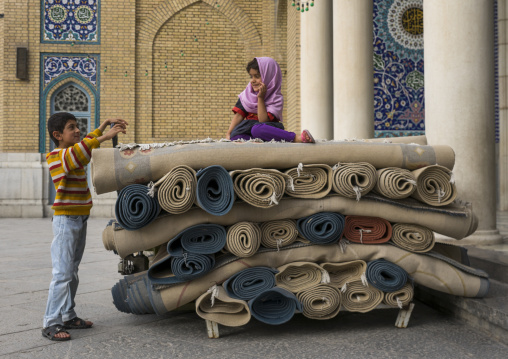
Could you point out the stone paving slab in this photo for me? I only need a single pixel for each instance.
(181, 334)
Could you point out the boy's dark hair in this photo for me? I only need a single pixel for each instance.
(57, 122)
(253, 65)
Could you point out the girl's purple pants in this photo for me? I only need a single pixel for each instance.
(267, 133)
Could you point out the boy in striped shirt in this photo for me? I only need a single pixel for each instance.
(72, 206)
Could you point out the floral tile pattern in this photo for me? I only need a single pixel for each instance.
(53, 66)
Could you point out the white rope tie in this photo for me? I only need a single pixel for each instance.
(343, 244)
(279, 243)
(273, 197)
(357, 297)
(440, 194)
(358, 192)
(325, 277)
(326, 302)
(291, 184)
(364, 280)
(452, 177)
(411, 181)
(215, 293)
(144, 147)
(344, 288)
(361, 233)
(335, 167)
(185, 258)
(187, 189)
(151, 189)
(399, 303)
(299, 168)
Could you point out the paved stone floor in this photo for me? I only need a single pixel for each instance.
(25, 273)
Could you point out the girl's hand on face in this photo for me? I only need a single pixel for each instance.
(262, 91)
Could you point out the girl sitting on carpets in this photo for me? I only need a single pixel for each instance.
(258, 111)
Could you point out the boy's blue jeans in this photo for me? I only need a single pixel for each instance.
(66, 252)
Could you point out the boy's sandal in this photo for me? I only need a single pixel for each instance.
(77, 323)
(53, 330)
(304, 139)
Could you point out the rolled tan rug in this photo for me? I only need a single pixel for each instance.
(395, 183)
(400, 298)
(309, 181)
(279, 233)
(176, 191)
(353, 180)
(259, 187)
(361, 298)
(243, 239)
(413, 237)
(342, 273)
(435, 185)
(367, 230)
(298, 276)
(320, 302)
(217, 306)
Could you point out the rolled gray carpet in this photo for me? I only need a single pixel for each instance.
(386, 276)
(320, 302)
(413, 237)
(134, 208)
(171, 270)
(217, 306)
(435, 185)
(279, 233)
(259, 187)
(250, 282)
(353, 180)
(274, 306)
(176, 191)
(309, 181)
(131, 294)
(361, 298)
(198, 239)
(395, 183)
(214, 192)
(322, 228)
(243, 239)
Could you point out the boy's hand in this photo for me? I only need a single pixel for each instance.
(120, 126)
(108, 122)
(262, 91)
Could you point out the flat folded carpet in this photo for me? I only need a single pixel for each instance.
(386, 276)
(298, 276)
(435, 185)
(309, 181)
(361, 298)
(400, 298)
(321, 228)
(134, 208)
(171, 270)
(343, 273)
(217, 306)
(274, 306)
(413, 237)
(176, 191)
(214, 191)
(198, 239)
(279, 233)
(395, 183)
(113, 169)
(259, 187)
(353, 180)
(250, 282)
(320, 302)
(243, 239)
(367, 230)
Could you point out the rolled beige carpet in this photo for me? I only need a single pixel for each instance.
(354, 180)
(299, 276)
(435, 185)
(367, 230)
(176, 191)
(259, 187)
(217, 306)
(243, 239)
(400, 298)
(309, 181)
(320, 302)
(113, 169)
(342, 273)
(395, 183)
(413, 237)
(361, 298)
(279, 233)
(455, 220)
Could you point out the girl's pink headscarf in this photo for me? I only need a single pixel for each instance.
(272, 77)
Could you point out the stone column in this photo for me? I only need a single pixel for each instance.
(353, 89)
(459, 100)
(316, 74)
(502, 30)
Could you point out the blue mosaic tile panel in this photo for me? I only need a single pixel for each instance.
(399, 105)
(54, 66)
(70, 21)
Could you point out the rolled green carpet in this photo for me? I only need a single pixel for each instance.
(309, 181)
(435, 185)
(413, 237)
(176, 191)
(320, 302)
(250, 282)
(322, 228)
(343, 273)
(361, 298)
(134, 208)
(354, 180)
(367, 230)
(274, 306)
(243, 239)
(198, 239)
(400, 298)
(279, 233)
(386, 276)
(259, 187)
(217, 306)
(395, 183)
(298, 276)
(214, 191)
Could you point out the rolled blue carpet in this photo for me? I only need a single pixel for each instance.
(198, 239)
(215, 193)
(386, 276)
(322, 228)
(250, 282)
(173, 270)
(134, 208)
(131, 294)
(119, 293)
(274, 306)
